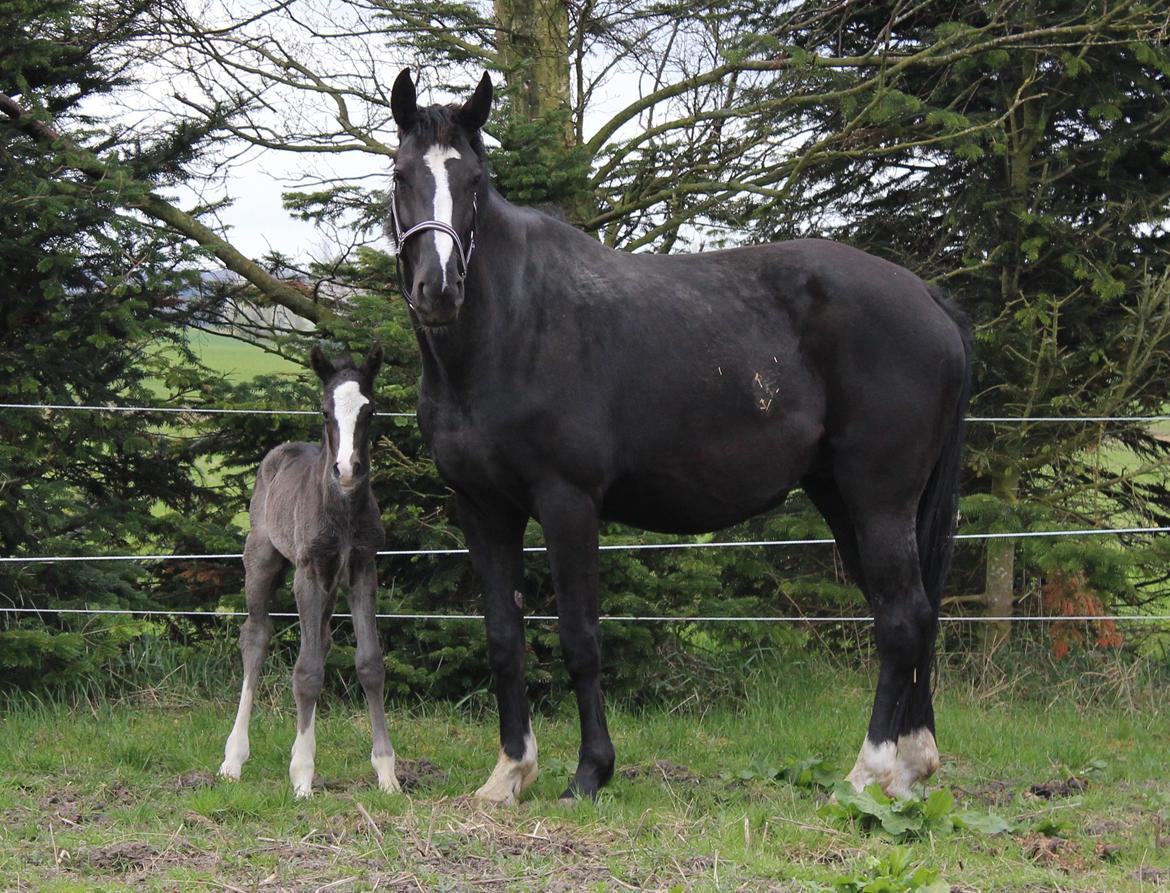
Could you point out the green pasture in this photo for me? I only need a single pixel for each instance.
(119, 795)
(236, 359)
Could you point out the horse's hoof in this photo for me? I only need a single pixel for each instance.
(510, 776)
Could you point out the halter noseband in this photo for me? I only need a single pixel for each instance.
(400, 238)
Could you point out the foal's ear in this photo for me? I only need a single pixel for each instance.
(404, 101)
(321, 364)
(474, 113)
(373, 363)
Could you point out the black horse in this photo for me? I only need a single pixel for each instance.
(569, 382)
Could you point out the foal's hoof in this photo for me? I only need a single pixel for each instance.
(387, 776)
(229, 772)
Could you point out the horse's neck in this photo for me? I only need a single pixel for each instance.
(495, 286)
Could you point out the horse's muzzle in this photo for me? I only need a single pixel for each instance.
(436, 305)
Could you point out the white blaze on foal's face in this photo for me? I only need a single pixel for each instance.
(436, 160)
(348, 401)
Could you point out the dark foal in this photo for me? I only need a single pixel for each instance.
(312, 508)
(568, 382)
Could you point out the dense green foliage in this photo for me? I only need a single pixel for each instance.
(1031, 180)
(91, 315)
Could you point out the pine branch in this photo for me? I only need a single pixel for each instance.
(96, 169)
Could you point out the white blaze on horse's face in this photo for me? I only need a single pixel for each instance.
(348, 401)
(436, 159)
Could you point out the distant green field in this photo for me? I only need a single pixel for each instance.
(239, 361)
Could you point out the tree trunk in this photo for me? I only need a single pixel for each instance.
(533, 39)
(999, 592)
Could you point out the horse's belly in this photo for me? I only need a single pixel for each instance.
(668, 507)
(696, 498)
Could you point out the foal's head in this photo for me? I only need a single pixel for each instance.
(348, 405)
(439, 172)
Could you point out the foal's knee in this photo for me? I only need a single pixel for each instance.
(371, 671)
(308, 680)
(255, 632)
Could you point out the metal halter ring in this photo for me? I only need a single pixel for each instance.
(400, 238)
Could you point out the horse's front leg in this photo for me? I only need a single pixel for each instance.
(570, 521)
(315, 608)
(495, 538)
(371, 670)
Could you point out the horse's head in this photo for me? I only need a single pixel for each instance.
(439, 173)
(348, 405)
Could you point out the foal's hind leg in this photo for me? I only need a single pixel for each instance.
(263, 567)
(371, 670)
(313, 605)
(899, 748)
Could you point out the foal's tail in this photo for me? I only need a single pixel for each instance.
(938, 507)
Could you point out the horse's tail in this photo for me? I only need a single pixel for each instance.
(938, 507)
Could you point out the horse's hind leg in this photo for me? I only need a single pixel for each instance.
(308, 675)
(263, 568)
(899, 748)
(371, 670)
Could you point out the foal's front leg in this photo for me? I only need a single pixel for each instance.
(314, 606)
(371, 670)
(263, 567)
(495, 538)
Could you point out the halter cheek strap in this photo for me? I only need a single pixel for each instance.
(400, 238)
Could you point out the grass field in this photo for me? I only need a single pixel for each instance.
(239, 361)
(121, 797)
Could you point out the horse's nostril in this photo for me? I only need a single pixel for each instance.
(357, 468)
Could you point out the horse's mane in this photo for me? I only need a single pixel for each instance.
(439, 124)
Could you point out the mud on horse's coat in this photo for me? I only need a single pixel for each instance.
(568, 382)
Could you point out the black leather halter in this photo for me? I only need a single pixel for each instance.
(400, 238)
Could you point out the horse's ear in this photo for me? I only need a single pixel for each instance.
(474, 113)
(373, 363)
(321, 364)
(404, 101)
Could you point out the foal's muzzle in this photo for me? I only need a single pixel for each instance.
(352, 478)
